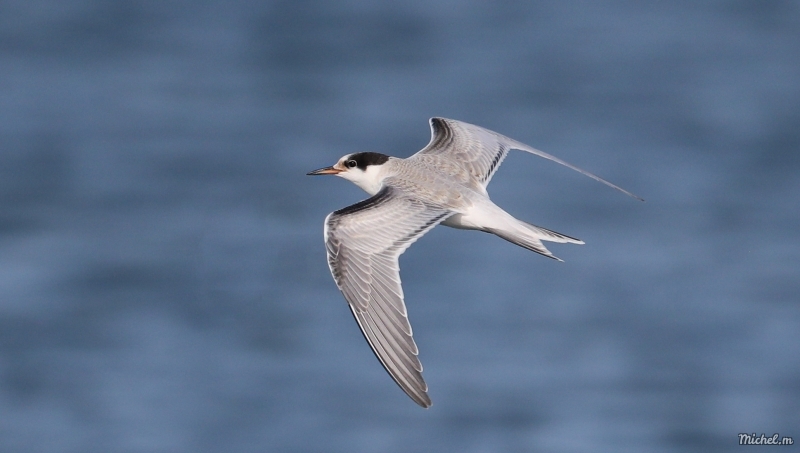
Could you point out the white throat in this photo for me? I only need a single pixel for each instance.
(370, 180)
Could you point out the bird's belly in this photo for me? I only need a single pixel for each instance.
(457, 221)
(481, 217)
(466, 222)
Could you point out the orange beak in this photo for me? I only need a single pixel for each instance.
(324, 171)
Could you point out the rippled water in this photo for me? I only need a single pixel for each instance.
(163, 285)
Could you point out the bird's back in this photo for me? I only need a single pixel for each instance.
(434, 180)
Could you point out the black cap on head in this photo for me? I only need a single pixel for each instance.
(365, 159)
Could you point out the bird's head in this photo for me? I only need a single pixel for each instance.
(363, 169)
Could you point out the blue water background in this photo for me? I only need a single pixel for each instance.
(163, 284)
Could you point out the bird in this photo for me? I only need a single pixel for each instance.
(444, 183)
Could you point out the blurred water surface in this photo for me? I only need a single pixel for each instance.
(163, 285)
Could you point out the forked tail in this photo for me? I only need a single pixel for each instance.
(530, 237)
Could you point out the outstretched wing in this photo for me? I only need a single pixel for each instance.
(480, 151)
(364, 242)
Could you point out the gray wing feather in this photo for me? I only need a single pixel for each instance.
(364, 242)
(481, 151)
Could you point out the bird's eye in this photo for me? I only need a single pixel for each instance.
(350, 163)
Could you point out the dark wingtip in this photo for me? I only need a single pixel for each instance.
(614, 186)
(425, 402)
(635, 196)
